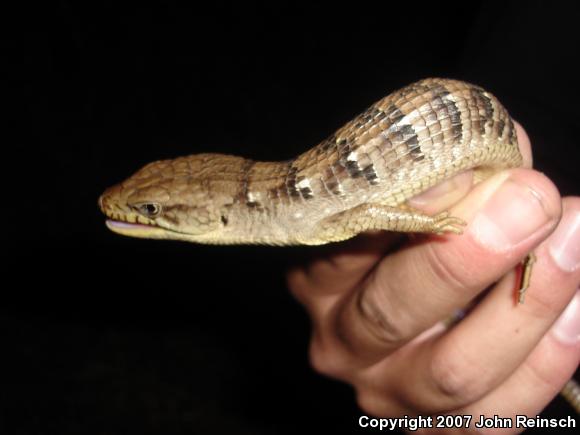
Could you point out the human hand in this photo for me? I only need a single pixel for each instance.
(376, 307)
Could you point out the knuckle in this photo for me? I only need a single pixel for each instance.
(325, 361)
(541, 305)
(372, 403)
(380, 319)
(456, 379)
(542, 302)
(295, 278)
(298, 285)
(318, 360)
(452, 274)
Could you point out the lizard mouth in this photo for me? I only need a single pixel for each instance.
(124, 225)
(148, 231)
(134, 226)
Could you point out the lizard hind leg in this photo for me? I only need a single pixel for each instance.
(367, 217)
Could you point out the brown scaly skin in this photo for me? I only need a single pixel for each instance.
(359, 179)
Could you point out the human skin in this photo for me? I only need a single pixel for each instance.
(376, 303)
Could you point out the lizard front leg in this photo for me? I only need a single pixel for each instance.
(367, 217)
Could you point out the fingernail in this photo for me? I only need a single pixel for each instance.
(512, 214)
(567, 327)
(565, 242)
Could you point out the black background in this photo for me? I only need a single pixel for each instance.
(108, 335)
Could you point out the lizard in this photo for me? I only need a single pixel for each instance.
(358, 179)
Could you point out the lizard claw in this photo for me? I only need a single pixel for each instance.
(444, 223)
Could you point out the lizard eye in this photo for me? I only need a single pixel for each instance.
(149, 209)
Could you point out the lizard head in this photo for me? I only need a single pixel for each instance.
(168, 199)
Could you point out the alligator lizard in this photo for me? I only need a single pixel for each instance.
(358, 179)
